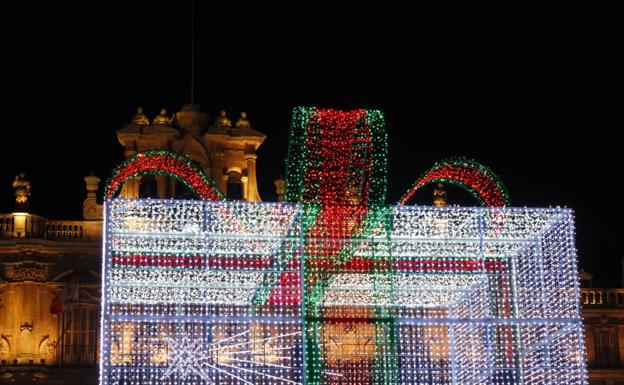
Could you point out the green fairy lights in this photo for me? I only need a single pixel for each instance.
(476, 178)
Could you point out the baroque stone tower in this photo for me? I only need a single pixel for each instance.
(224, 151)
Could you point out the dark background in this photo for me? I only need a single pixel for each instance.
(532, 91)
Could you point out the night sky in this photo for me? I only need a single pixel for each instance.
(533, 92)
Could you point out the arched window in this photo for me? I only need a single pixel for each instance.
(234, 186)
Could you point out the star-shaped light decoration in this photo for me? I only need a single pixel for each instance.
(230, 356)
(186, 356)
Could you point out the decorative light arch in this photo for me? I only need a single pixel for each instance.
(475, 178)
(163, 162)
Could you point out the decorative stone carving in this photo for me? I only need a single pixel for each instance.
(5, 346)
(162, 118)
(26, 326)
(139, 118)
(243, 122)
(46, 348)
(222, 120)
(26, 271)
(22, 191)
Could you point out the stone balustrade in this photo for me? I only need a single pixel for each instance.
(19, 225)
(594, 297)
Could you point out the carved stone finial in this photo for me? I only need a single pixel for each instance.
(439, 195)
(139, 118)
(243, 122)
(90, 208)
(162, 118)
(93, 183)
(22, 192)
(222, 120)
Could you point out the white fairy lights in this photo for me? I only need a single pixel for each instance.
(216, 293)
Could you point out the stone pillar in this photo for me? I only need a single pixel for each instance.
(20, 225)
(245, 183)
(217, 172)
(162, 187)
(252, 185)
(172, 187)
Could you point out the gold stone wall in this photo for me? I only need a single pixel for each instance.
(27, 327)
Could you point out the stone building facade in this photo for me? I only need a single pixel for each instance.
(50, 294)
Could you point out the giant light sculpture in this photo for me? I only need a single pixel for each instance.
(337, 287)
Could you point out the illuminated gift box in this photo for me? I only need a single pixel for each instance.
(200, 292)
